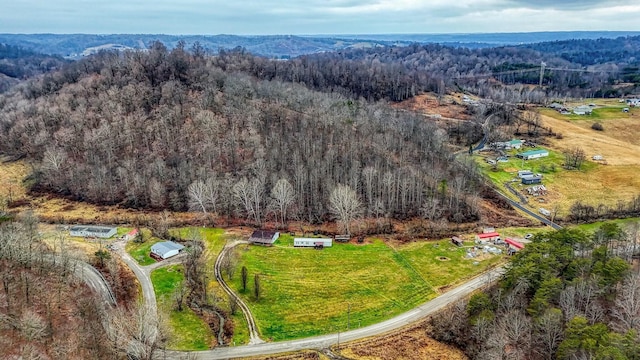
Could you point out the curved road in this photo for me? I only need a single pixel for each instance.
(529, 212)
(324, 341)
(94, 279)
(254, 335)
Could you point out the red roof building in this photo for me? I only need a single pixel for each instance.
(514, 243)
(488, 236)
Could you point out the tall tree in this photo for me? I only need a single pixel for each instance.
(283, 196)
(345, 205)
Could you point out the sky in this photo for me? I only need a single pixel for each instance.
(300, 17)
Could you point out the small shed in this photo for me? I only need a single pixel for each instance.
(165, 249)
(533, 154)
(264, 237)
(131, 234)
(515, 144)
(312, 242)
(104, 232)
(455, 240)
(492, 236)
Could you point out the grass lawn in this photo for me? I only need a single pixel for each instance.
(423, 257)
(592, 227)
(140, 251)
(188, 331)
(604, 113)
(214, 240)
(308, 292)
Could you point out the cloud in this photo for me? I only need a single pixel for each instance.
(313, 16)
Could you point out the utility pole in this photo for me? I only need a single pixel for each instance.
(542, 66)
(349, 316)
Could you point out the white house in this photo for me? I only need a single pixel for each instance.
(533, 154)
(165, 249)
(582, 110)
(92, 231)
(312, 242)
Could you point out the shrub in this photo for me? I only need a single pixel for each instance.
(597, 126)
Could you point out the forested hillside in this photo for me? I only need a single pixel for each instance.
(399, 73)
(175, 130)
(567, 295)
(621, 50)
(17, 64)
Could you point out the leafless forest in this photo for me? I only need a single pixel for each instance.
(176, 129)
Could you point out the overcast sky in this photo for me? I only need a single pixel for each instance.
(262, 17)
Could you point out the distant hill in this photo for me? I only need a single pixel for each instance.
(17, 63)
(286, 46)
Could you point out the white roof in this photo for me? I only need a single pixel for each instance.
(164, 247)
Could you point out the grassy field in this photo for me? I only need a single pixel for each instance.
(188, 331)
(308, 292)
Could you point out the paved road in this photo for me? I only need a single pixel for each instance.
(94, 279)
(143, 275)
(254, 335)
(529, 212)
(324, 341)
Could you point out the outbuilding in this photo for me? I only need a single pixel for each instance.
(312, 242)
(104, 232)
(533, 154)
(514, 243)
(484, 237)
(264, 237)
(131, 234)
(165, 249)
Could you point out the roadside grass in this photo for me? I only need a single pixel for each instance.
(140, 251)
(592, 227)
(188, 331)
(307, 292)
(424, 258)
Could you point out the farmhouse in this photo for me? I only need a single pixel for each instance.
(312, 242)
(507, 145)
(93, 231)
(533, 154)
(264, 237)
(165, 249)
(492, 236)
(633, 102)
(531, 179)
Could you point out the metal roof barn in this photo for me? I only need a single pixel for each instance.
(166, 249)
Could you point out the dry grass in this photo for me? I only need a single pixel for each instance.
(11, 176)
(613, 144)
(412, 344)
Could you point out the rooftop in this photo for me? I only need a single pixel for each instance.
(534, 152)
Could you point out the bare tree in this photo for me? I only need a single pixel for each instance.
(283, 196)
(549, 332)
(345, 205)
(627, 304)
(198, 196)
(137, 334)
(574, 158)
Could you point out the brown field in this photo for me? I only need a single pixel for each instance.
(619, 143)
(428, 104)
(612, 180)
(411, 344)
(11, 175)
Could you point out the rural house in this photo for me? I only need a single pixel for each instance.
(582, 110)
(533, 154)
(93, 231)
(264, 237)
(531, 179)
(165, 249)
(312, 242)
(522, 173)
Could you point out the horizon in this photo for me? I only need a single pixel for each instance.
(310, 17)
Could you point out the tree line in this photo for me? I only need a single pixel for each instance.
(177, 130)
(566, 295)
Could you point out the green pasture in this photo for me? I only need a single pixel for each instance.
(308, 292)
(188, 331)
